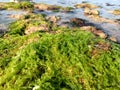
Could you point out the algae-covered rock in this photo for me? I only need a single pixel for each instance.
(46, 7)
(94, 31)
(21, 5)
(88, 11)
(86, 5)
(116, 12)
(33, 29)
(29, 24)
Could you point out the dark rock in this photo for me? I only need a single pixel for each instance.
(108, 4)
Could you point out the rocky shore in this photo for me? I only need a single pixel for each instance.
(51, 47)
(92, 20)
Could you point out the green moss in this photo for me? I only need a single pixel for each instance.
(22, 5)
(62, 61)
(18, 27)
(67, 9)
(67, 59)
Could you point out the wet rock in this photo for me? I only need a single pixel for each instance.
(88, 11)
(53, 19)
(100, 19)
(2, 6)
(36, 28)
(112, 38)
(108, 4)
(95, 12)
(67, 9)
(100, 33)
(16, 16)
(116, 12)
(78, 22)
(64, 24)
(94, 31)
(86, 5)
(88, 28)
(46, 7)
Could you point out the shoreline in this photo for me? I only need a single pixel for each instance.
(103, 24)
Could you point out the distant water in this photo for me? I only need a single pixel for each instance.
(115, 4)
(72, 2)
